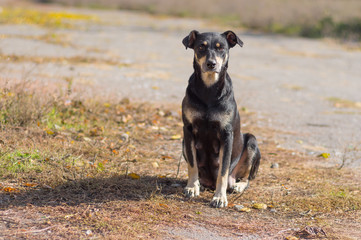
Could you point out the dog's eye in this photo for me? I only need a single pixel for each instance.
(220, 48)
(201, 47)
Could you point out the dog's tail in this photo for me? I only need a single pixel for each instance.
(254, 154)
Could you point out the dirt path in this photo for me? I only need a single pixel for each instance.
(306, 89)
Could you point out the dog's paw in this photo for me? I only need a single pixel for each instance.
(219, 202)
(191, 191)
(240, 187)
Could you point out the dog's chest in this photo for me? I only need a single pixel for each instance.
(208, 119)
(207, 126)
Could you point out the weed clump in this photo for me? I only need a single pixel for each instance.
(20, 107)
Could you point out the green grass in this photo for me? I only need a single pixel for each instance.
(21, 161)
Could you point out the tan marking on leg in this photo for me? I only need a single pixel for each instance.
(220, 197)
(192, 188)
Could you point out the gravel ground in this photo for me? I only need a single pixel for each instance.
(286, 82)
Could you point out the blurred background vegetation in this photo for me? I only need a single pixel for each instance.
(307, 18)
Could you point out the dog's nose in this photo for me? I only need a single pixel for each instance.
(211, 64)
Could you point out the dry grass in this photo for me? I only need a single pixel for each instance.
(66, 163)
(62, 60)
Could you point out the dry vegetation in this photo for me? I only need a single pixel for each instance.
(320, 18)
(74, 167)
(78, 167)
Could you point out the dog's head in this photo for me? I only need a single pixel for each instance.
(211, 52)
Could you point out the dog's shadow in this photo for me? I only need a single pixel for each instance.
(95, 190)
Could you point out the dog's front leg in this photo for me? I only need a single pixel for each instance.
(189, 152)
(220, 197)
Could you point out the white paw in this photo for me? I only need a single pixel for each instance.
(240, 187)
(219, 202)
(192, 191)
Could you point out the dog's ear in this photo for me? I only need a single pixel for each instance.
(232, 39)
(188, 41)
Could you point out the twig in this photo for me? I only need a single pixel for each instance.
(180, 159)
(36, 231)
(287, 230)
(343, 158)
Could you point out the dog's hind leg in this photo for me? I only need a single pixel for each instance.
(189, 153)
(247, 166)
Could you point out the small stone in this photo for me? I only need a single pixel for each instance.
(275, 165)
(161, 113)
(124, 137)
(88, 232)
(238, 207)
(273, 210)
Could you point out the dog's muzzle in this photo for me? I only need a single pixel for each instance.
(211, 64)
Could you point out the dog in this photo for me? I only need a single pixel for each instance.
(218, 155)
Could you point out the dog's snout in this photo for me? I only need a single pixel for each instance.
(211, 64)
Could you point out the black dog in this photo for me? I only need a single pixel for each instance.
(216, 151)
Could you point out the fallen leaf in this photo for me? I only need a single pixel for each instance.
(245, 209)
(30, 184)
(49, 132)
(93, 132)
(101, 166)
(176, 137)
(292, 238)
(166, 157)
(324, 155)
(155, 164)
(9, 189)
(231, 205)
(259, 206)
(105, 161)
(163, 205)
(133, 175)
